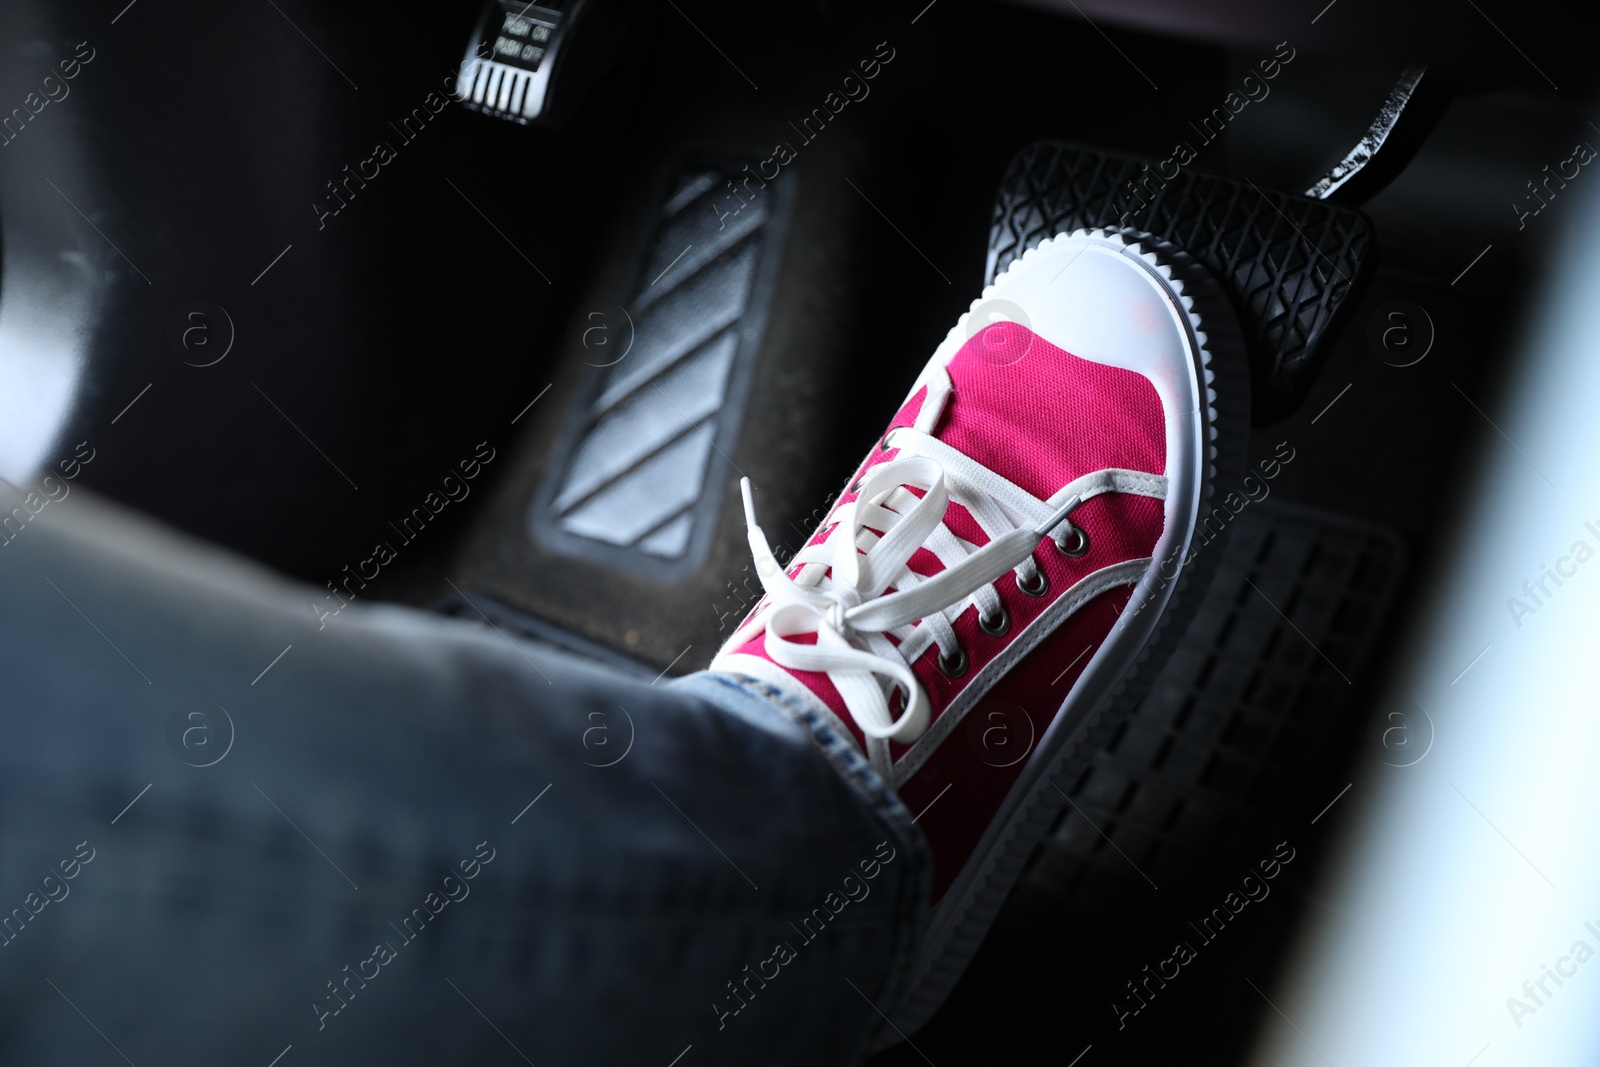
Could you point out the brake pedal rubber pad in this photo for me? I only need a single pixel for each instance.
(1293, 267)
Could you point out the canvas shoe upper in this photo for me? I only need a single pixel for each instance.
(1001, 558)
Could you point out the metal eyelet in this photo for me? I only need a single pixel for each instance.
(883, 442)
(856, 486)
(997, 627)
(957, 666)
(1077, 543)
(1038, 588)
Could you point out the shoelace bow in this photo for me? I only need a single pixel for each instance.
(842, 593)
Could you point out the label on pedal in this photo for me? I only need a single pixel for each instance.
(522, 38)
(508, 66)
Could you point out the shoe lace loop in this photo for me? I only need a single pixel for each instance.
(855, 590)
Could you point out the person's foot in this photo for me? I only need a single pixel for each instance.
(995, 581)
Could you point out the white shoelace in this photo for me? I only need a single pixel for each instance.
(841, 591)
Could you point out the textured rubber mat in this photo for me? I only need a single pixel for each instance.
(1196, 785)
(1236, 718)
(1291, 265)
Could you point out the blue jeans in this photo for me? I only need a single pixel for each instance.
(408, 839)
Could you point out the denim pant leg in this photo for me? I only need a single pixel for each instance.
(229, 832)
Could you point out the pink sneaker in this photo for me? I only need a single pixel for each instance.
(1006, 568)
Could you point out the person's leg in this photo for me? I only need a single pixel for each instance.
(227, 829)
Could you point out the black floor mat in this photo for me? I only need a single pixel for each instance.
(1193, 792)
(1239, 710)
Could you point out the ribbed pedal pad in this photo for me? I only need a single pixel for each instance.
(630, 486)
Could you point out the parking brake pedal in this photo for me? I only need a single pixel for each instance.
(531, 63)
